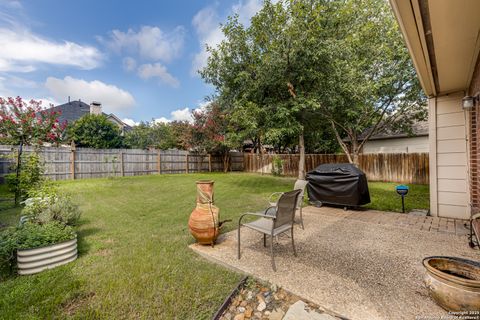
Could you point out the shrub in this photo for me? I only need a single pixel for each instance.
(39, 199)
(30, 177)
(96, 131)
(277, 166)
(29, 236)
(46, 205)
(61, 209)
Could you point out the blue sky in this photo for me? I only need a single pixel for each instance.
(138, 58)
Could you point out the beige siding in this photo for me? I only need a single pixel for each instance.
(448, 153)
(397, 145)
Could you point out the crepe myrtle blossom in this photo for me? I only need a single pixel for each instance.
(28, 123)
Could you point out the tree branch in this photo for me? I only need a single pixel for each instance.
(341, 143)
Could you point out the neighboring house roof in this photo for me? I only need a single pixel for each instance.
(71, 111)
(419, 129)
(74, 110)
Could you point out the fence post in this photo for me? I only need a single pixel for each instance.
(261, 161)
(209, 162)
(72, 160)
(122, 169)
(159, 163)
(186, 160)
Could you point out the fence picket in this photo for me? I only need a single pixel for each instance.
(81, 163)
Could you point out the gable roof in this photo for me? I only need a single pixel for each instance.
(419, 129)
(71, 111)
(74, 110)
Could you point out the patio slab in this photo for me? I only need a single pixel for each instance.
(357, 264)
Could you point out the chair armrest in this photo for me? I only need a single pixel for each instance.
(274, 194)
(274, 208)
(254, 214)
(475, 216)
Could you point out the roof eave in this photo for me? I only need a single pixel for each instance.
(409, 19)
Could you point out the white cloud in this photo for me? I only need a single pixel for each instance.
(15, 4)
(207, 25)
(129, 64)
(157, 70)
(22, 51)
(11, 85)
(19, 82)
(130, 122)
(181, 115)
(112, 98)
(149, 42)
(47, 102)
(162, 120)
(246, 10)
(177, 115)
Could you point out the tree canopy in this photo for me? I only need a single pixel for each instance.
(95, 131)
(323, 69)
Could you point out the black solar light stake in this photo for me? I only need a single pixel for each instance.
(402, 190)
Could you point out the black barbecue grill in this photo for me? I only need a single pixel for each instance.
(340, 184)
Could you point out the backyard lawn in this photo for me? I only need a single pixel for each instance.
(134, 260)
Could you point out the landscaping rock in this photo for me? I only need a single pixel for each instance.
(260, 298)
(248, 312)
(261, 306)
(239, 316)
(257, 301)
(277, 314)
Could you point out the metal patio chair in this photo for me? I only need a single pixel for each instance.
(299, 185)
(274, 221)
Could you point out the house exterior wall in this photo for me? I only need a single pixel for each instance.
(115, 122)
(448, 131)
(397, 145)
(474, 90)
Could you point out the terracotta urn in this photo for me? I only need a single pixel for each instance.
(203, 223)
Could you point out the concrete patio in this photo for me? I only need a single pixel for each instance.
(357, 264)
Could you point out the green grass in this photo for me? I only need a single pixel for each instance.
(7, 199)
(384, 197)
(134, 258)
(134, 261)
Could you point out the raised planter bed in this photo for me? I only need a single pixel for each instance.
(31, 261)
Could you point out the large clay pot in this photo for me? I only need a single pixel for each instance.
(203, 222)
(454, 283)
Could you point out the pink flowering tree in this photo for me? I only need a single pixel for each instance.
(25, 123)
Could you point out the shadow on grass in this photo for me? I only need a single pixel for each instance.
(85, 246)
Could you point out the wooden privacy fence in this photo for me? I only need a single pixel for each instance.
(81, 163)
(393, 167)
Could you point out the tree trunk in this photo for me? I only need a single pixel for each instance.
(355, 152)
(301, 162)
(226, 162)
(17, 173)
(355, 159)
